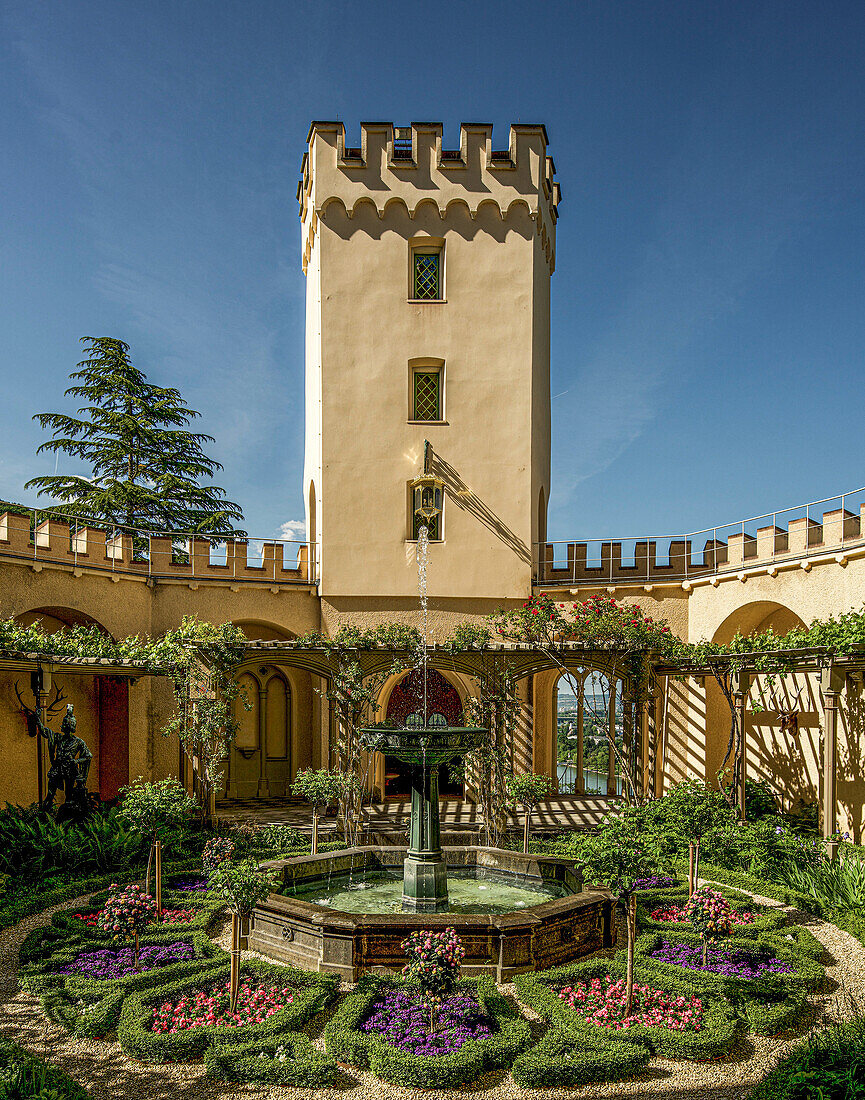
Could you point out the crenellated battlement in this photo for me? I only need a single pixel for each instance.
(407, 165)
(733, 549)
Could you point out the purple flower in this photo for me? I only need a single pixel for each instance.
(188, 882)
(731, 962)
(399, 1017)
(119, 961)
(654, 882)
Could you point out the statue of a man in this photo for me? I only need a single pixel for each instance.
(70, 761)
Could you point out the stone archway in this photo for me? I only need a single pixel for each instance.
(406, 698)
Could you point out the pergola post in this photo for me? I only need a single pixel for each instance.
(611, 754)
(579, 786)
(741, 685)
(832, 683)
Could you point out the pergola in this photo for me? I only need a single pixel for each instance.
(522, 659)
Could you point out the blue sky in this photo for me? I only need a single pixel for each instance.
(708, 324)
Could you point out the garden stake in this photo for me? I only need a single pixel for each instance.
(158, 848)
(526, 827)
(235, 960)
(314, 829)
(691, 869)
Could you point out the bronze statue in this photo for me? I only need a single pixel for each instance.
(69, 761)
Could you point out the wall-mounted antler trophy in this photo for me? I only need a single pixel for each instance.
(788, 713)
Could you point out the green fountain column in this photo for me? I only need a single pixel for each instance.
(424, 880)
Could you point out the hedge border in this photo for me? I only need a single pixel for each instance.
(312, 992)
(714, 874)
(344, 1041)
(807, 974)
(767, 920)
(305, 1067)
(207, 915)
(720, 1025)
(555, 1062)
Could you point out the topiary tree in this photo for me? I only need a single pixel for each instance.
(320, 788)
(241, 886)
(216, 851)
(434, 963)
(711, 916)
(156, 810)
(126, 914)
(685, 815)
(528, 790)
(616, 858)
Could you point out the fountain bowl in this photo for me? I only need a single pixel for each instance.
(320, 938)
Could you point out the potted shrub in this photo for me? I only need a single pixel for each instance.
(242, 886)
(320, 788)
(434, 963)
(126, 914)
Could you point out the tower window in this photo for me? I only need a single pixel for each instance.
(426, 395)
(426, 275)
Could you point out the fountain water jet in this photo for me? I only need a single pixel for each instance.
(424, 743)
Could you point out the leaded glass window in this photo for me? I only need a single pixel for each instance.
(426, 399)
(433, 528)
(427, 272)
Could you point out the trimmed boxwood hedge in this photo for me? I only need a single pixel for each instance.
(556, 1062)
(796, 938)
(311, 993)
(771, 1017)
(718, 1033)
(344, 1040)
(302, 1066)
(806, 974)
(714, 874)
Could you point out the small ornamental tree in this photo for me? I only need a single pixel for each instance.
(434, 963)
(528, 790)
(616, 858)
(711, 917)
(320, 788)
(241, 885)
(156, 810)
(216, 851)
(685, 815)
(126, 914)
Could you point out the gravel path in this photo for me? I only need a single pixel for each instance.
(107, 1073)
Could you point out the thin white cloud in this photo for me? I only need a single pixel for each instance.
(293, 530)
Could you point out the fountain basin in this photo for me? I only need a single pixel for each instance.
(322, 938)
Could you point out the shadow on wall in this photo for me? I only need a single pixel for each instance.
(468, 501)
(851, 759)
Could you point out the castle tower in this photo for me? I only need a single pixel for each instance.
(427, 318)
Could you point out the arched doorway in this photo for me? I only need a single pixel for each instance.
(408, 697)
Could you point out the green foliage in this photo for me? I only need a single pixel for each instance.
(686, 813)
(319, 787)
(287, 1060)
(24, 1076)
(558, 1062)
(34, 846)
(241, 885)
(833, 883)
(830, 1066)
(156, 810)
(146, 468)
(345, 1042)
(527, 789)
(621, 852)
(311, 993)
(760, 800)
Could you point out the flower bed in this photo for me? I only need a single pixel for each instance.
(84, 990)
(711, 1028)
(603, 1001)
(658, 882)
(732, 962)
(118, 962)
(399, 1017)
(309, 994)
(90, 919)
(211, 1008)
(417, 1064)
(187, 884)
(674, 914)
(761, 968)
